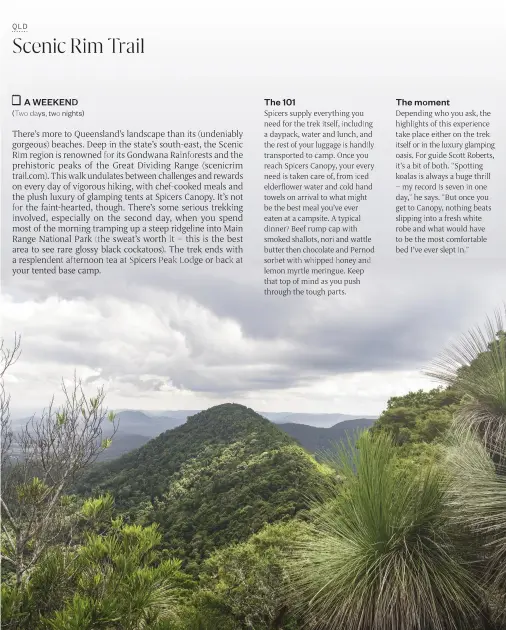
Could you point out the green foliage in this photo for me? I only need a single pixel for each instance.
(205, 611)
(422, 416)
(404, 530)
(384, 553)
(421, 399)
(51, 451)
(106, 443)
(411, 457)
(213, 481)
(117, 581)
(97, 508)
(32, 491)
(251, 580)
(215, 501)
(478, 496)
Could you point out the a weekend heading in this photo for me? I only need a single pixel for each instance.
(81, 46)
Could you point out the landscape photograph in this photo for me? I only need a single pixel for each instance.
(228, 517)
(181, 453)
(253, 316)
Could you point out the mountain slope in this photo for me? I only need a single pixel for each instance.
(317, 439)
(122, 443)
(215, 480)
(137, 422)
(327, 420)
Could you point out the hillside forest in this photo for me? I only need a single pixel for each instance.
(229, 522)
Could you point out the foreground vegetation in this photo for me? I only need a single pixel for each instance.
(227, 523)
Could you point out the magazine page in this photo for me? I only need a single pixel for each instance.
(253, 360)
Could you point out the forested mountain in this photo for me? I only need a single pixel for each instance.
(214, 480)
(313, 438)
(319, 439)
(121, 444)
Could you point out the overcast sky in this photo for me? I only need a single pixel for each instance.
(195, 346)
(192, 339)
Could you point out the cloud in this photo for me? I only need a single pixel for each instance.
(197, 344)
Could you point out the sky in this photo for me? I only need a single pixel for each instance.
(190, 339)
(191, 347)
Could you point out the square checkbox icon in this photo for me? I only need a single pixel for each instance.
(16, 99)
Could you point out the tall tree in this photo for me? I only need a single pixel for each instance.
(40, 463)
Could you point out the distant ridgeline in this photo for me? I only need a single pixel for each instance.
(321, 440)
(214, 480)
